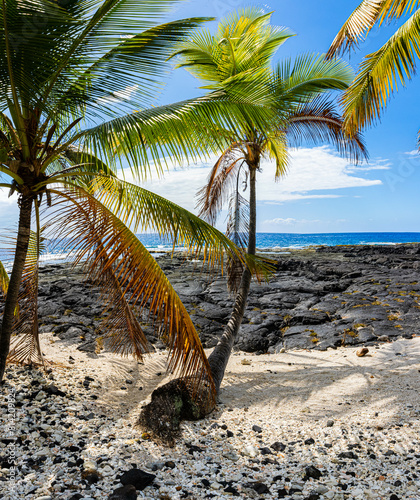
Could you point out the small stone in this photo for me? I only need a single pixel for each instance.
(170, 464)
(312, 472)
(245, 362)
(309, 441)
(259, 487)
(383, 338)
(330, 423)
(348, 454)
(137, 478)
(362, 352)
(394, 497)
(250, 451)
(277, 446)
(127, 492)
(256, 428)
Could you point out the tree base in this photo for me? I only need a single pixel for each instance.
(172, 403)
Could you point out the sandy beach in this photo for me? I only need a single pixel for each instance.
(354, 420)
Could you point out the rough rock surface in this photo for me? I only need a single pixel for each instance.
(318, 298)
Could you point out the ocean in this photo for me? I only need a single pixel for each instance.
(265, 241)
(281, 241)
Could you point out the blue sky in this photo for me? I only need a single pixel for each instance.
(322, 191)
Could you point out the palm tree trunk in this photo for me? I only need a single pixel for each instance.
(219, 358)
(22, 243)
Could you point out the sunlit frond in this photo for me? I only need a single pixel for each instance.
(117, 261)
(380, 75)
(357, 25)
(4, 279)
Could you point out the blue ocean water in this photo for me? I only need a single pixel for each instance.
(272, 241)
(293, 240)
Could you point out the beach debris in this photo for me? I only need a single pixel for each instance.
(362, 352)
(246, 362)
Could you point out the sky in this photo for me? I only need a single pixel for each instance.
(322, 192)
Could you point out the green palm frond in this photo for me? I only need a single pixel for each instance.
(380, 74)
(318, 121)
(143, 210)
(307, 76)
(190, 129)
(357, 25)
(109, 85)
(244, 41)
(129, 270)
(4, 279)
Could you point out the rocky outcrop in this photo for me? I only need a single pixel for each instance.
(317, 298)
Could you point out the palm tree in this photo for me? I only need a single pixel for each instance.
(239, 57)
(382, 71)
(69, 82)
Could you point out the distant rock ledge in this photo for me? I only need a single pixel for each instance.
(319, 298)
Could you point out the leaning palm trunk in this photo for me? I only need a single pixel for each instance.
(219, 358)
(23, 236)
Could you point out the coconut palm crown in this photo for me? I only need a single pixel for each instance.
(78, 80)
(383, 71)
(239, 57)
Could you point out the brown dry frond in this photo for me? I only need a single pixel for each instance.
(130, 278)
(216, 192)
(25, 347)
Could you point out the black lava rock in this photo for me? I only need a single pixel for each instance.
(277, 446)
(137, 478)
(312, 472)
(127, 492)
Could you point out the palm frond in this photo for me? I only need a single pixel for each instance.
(237, 230)
(109, 85)
(318, 121)
(190, 129)
(145, 211)
(306, 76)
(380, 74)
(105, 245)
(357, 25)
(222, 179)
(276, 146)
(25, 346)
(4, 279)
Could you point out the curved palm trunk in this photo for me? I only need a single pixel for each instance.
(219, 358)
(15, 280)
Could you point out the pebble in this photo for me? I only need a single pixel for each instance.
(66, 455)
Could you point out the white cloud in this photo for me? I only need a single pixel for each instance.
(289, 221)
(120, 95)
(415, 152)
(311, 170)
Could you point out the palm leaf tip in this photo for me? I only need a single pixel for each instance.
(132, 284)
(4, 279)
